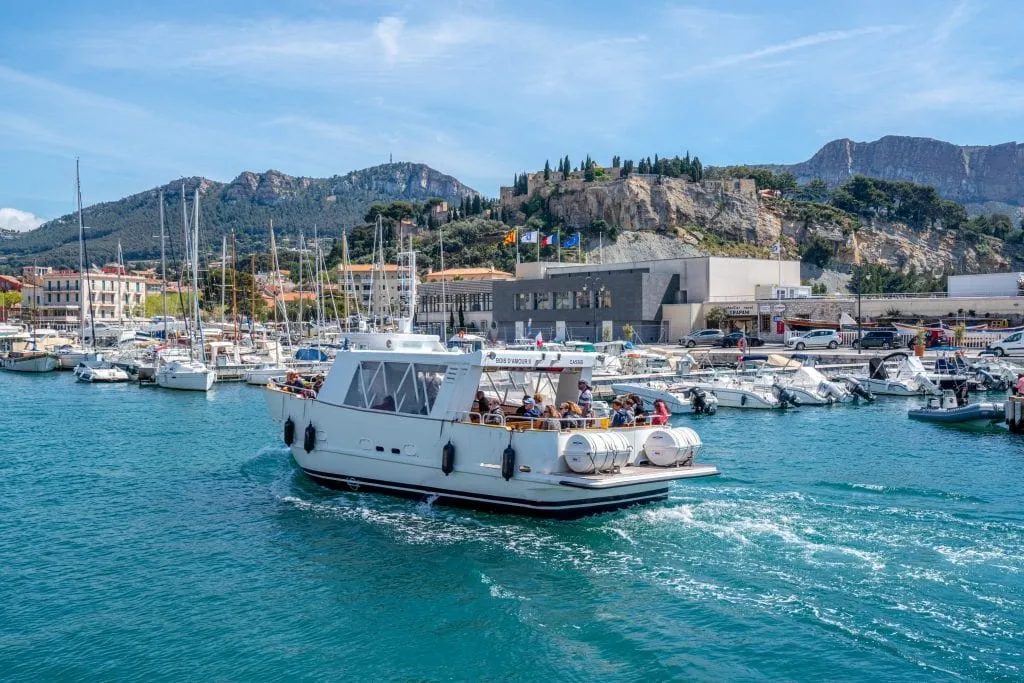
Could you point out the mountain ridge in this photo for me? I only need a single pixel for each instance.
(245, 205)
(969, 174)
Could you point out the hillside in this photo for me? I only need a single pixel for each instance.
(246, 206)
(916, 232)
(966, 174)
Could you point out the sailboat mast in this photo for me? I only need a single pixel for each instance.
(344, 276)
(223, 275)
(195, 276)
(302, 248)
(163, 263)
(234, 287)
(120, 284)
(252, 312)
(81, 256)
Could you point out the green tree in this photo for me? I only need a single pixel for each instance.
(818, 251)
(547, 170)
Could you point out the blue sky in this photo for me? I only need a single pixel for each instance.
(148, 92)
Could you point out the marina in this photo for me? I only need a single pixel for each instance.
(889, 556)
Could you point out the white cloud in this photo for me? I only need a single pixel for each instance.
(16, 219)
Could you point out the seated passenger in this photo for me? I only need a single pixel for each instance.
(481, 404)
(639, 412)
(538, 400)
(661, 413)
(521, 410)
(586, 397)
(552, 420)
(293, 381)
(571, 415)
(620, 416)
(318, 383)
(387, 404)
(494, 412)
(530, 408)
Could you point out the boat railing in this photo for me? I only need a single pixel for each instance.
(522, 423)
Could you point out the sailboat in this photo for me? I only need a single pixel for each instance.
(190, 374)
(32, 360)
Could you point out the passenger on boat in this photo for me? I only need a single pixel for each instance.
(387, 404)
(586, 398)
(639, 412)
(538, 400)
(493, 412)
(661, 413)
(521, 410)
(620, 416)
(1019, 388)
(552, 420)
(530, 408)
(480, 404)
(571, 415)
(318, 382)
(293, 381)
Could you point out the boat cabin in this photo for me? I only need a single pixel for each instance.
(444, 385)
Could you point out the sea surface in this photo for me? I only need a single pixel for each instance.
(156, 535)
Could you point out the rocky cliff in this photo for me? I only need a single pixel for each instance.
(666, 217)
(964, 174)
(245, 206)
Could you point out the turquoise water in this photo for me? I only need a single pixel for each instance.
(156, 535)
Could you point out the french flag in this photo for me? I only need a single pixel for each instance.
(540, 340)
(548, 241)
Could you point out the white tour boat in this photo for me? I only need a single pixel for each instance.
(404, 423)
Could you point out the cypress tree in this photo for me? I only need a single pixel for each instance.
(547, 170)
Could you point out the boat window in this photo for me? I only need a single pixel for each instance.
(428, 382)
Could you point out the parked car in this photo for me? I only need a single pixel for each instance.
(733, 339)
(879, 339)
(702, 337)
(815, 339)
(1008, 345)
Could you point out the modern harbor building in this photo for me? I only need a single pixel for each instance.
(660, 300)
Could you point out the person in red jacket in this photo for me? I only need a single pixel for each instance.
(661, 413)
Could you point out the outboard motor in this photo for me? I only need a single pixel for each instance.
(785, 396)
(700, 402)
(859, 390)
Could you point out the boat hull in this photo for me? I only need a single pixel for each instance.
(974, 413)
(739, 398)
(357, 449)
(41, 363)
(185, 381)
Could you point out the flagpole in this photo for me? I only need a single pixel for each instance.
(517, 245)
(558, 244)
(579, 249)
(537, 232)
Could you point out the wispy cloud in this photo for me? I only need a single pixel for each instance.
(803, 42)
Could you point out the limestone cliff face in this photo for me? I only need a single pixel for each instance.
(648, 203)
(683, 212)
(411, 181)
(964, 174)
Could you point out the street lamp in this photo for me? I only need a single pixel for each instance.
(593, 282)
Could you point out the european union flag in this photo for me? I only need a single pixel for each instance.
(573, 241)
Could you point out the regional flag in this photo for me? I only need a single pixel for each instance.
(548, 241)
(510, 238)
(573, 241)
(531, 237)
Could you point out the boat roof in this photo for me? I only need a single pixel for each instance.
(487, 359)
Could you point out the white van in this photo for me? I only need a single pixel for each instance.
(1009, 345)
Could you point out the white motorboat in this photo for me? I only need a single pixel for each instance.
(811, 388)
(261, 374)
(185, 375)
(679, 399)
(737, 392)
(100, 371)
(30, 361)
(402, 423)
(69, 356)
(907, 377)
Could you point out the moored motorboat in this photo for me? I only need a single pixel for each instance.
(402, 423)
(99, 371)
(679, 398)
(948, 410)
